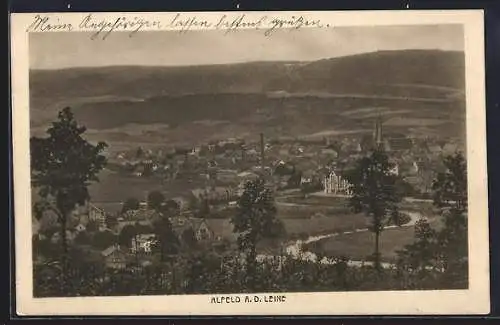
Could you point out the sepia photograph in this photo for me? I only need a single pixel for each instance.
(247, 164)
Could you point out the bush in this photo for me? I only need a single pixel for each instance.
(206, 272)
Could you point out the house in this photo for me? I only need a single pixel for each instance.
(366, 143)
(182, 202)
(79, 211)
(143, 243)
(39, 236)
(252, 153)
(248, 176)
(227, 175)
(434, 149)
(130, 214)
(56, 237)
(143, 205)
(394, 170)
(104, 228)
(123, 223)
(80, 227)
(221, 229)
(307, 177)
(221, 194)
(97, 215)
(199, 194)
(215, 194)
(200, 227)
(410, 168)
(399, 144)
(450, 148)
(140, 214)
(114, 257)
(139, 170)
(282, 181)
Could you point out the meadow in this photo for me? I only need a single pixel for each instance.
(114, 187)
(360, 245)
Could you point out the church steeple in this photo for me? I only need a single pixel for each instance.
(377, 132)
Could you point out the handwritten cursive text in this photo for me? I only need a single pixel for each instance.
(103, 27)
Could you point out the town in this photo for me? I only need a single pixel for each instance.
(122, 234)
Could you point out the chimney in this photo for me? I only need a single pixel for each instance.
(262, 150)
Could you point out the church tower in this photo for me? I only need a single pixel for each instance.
(377, 133)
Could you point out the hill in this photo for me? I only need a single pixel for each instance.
(133, 103)
(400, 73)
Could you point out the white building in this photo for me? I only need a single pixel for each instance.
(143, 243)
(335, 184)
(97, 215)
(394, 170)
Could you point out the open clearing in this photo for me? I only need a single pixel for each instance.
(359, 245)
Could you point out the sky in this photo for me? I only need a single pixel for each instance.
(57, 50)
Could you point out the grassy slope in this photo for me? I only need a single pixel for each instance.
(108, 99)
(358, 246)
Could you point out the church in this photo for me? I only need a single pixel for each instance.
(336, 184)
(379, 142)
(395, 143)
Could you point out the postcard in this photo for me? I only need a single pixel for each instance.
(250, 163)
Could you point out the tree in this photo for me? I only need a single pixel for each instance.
(92, 226)
(450, 195)
(63, 165)
(375, 193)
(189, 238)
(255, 219)
(294, 180)
(155, 200)
(126, 234)
(130, 204)
(314, 186)
(444, 249)
(167, 240)
(143, 228)
(82, 238)
(139, 153)
(103, 239)
(422, 253)
(204, 209)
(171, 208)
(45, 248)
(450, 186)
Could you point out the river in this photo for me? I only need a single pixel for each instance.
(295, 249)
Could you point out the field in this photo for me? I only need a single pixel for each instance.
(359, 245)
(325, 224)
(114, 187)
(318, 215)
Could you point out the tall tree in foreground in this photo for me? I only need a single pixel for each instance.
(167, 241)
(155, 200)
(444, 249)
(130, 204)
(255, 220)
(375, 193)
(62, 166)
(450, 195)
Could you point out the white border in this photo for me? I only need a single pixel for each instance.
(475, 300)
